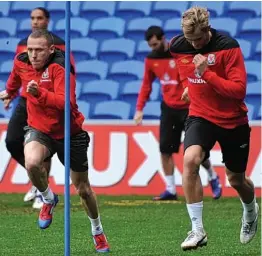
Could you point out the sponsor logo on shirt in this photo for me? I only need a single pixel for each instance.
(196, 80)
(166, 80)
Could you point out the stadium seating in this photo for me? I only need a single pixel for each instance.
(81, 51)
(21, 9)
(91, 70)
(4, 8)
(8, 27)
(112, 110)
(116, 50)
(94, 10)
(107, 40)
(130, 10)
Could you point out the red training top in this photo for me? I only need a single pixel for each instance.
(162, 66)
(46, 111)
(218, 96)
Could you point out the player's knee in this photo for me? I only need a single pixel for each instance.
(236, 181)
(84, 190)
(192, 160)
(32, 162)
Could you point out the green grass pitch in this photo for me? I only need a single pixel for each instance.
(134, 226)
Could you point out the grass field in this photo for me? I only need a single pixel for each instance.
(134, 226)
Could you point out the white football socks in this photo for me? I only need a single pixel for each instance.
(195, 213)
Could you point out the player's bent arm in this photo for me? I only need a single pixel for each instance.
(56, 99)
(13, 83)
(146, 87)
(235, 85)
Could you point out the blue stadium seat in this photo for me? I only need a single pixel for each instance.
(253, 96)
(168, 9)
(251, 29)
(258, 117)
(106, 28)
(93, 10)
(8, 27)
(142, 50)
(84, 48)
(131, 90)
(172, 28)
(130, 10)
(2, 85)
(124, 71)
(251, 112)
(257, 55)
(79, 27)
(215, 8)
(91, 70)
(84, 108)
(243, 10)
(254, 88)
(113, 109)
(225, 25)
(245, 46)
(2, 110)
(21, 10)
(137, 27)
(253, 69)
(78, 89)
(24, 28)
(152, 110)
(4, 8)
(57, 9)
(117, 49)
(5, 69)
(8, 48)
(99, 90)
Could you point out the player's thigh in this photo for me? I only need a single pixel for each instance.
(199, 132)
(78, 151)
(38, 146)
(235, 145)
(17, 122)
(170, 130)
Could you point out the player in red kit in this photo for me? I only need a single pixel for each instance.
(160, 64)
(40, 18)
(211, 66)
(41, 71)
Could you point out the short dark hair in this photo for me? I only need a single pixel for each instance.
(154, 31)
(45, 11)
(43, 33)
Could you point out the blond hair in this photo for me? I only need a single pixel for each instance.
(193, 18)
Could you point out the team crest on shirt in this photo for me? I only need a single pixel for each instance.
(45, 74)
(211, 59)
(172, 64)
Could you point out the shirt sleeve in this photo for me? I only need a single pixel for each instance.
(56, 99)
(13, 83)
(146, 87)
(234, 86)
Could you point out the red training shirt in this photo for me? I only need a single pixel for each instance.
(218, 96)
(162, 66)
(46, 111)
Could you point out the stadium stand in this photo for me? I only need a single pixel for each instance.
(109, 47)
